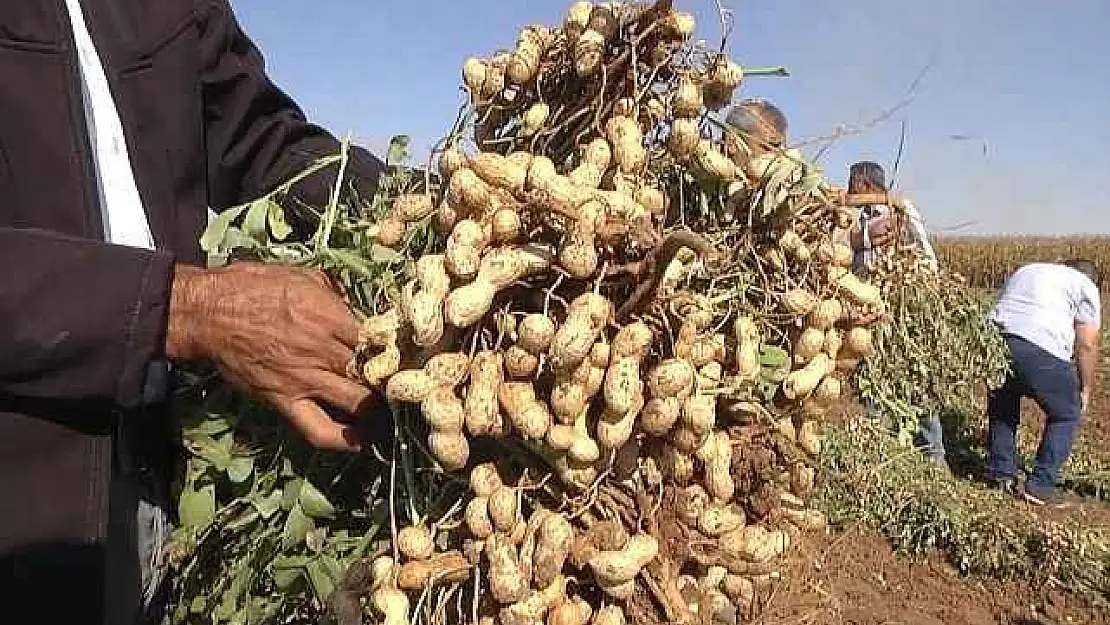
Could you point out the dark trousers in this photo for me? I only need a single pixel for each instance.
(1054, 384)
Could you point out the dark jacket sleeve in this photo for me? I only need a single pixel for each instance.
(257, 137)
(79, 319)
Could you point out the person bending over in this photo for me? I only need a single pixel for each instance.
(1049, 313)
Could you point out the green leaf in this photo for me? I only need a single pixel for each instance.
(254, 224)
(213, 451)
(286, 579)
(198, 605)
(289, 570)
(811, 182)
(773, 356)
(314, 503)
(398, 150)
(269, 505)
(214, 235)
(235, 239)
(231, 607)
(263, 610)
(291, 492)
(290, 562)
(240, 468)
(212, 426)
(297, 527)
(773, 377)
(322, 584)
(278, 226)
(335, 570)
(197, 507)
(383, 254)
(354, 262)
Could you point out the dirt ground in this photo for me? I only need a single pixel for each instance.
(854, 578)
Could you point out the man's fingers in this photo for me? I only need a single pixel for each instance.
(321, 278)
(335, 315)
(348, 396)
(336, 356)
(346, 330)
(319, 429)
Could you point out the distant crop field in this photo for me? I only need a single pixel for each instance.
(987, 261)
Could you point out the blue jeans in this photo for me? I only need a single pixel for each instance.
(1054, 384)
(930, 434)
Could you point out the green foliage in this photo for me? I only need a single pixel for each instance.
(870, 478)
(340, 245)
(937, 353)
(258, 538)
(267, 525)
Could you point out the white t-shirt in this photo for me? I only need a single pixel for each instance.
(121, 208)
(1041, 303)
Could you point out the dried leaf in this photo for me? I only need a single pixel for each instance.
(316, 539)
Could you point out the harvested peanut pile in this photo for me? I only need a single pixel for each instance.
(631, 298)
(638, 315)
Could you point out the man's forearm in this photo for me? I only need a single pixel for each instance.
(181, 328)
(1087, 363)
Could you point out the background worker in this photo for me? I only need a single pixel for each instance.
(759, 123)
(878, 228)
(1048, 313)
(881, 226)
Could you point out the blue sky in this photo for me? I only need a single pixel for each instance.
(1027, 81)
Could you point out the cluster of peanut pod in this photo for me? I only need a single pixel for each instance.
(576, 307)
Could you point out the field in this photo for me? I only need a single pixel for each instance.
(945, 525)
(624, 355)
(986, 261)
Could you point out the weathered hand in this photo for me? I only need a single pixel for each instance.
(280, 333)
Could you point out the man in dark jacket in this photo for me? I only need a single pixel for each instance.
(121, 123)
